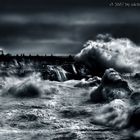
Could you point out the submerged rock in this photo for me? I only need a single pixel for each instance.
(71, 112)
(112, 86)
(26, 117)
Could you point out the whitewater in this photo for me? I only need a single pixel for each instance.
(91, 108)
(32, 108)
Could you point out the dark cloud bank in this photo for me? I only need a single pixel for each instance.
(61, 27)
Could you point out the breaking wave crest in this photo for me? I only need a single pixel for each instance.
(27, 87)
(114, 114)
(105, 52)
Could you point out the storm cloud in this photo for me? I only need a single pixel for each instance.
(61, 27)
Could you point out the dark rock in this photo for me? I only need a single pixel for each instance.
(137, 75)
(135, 98)
(96, 95)
(134, 120)
(110, 76)
(114, 79)
(112, 86)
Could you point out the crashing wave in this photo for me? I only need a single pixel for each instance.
(115, 114)
(121, 54)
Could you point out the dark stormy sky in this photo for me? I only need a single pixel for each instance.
(62, 26)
